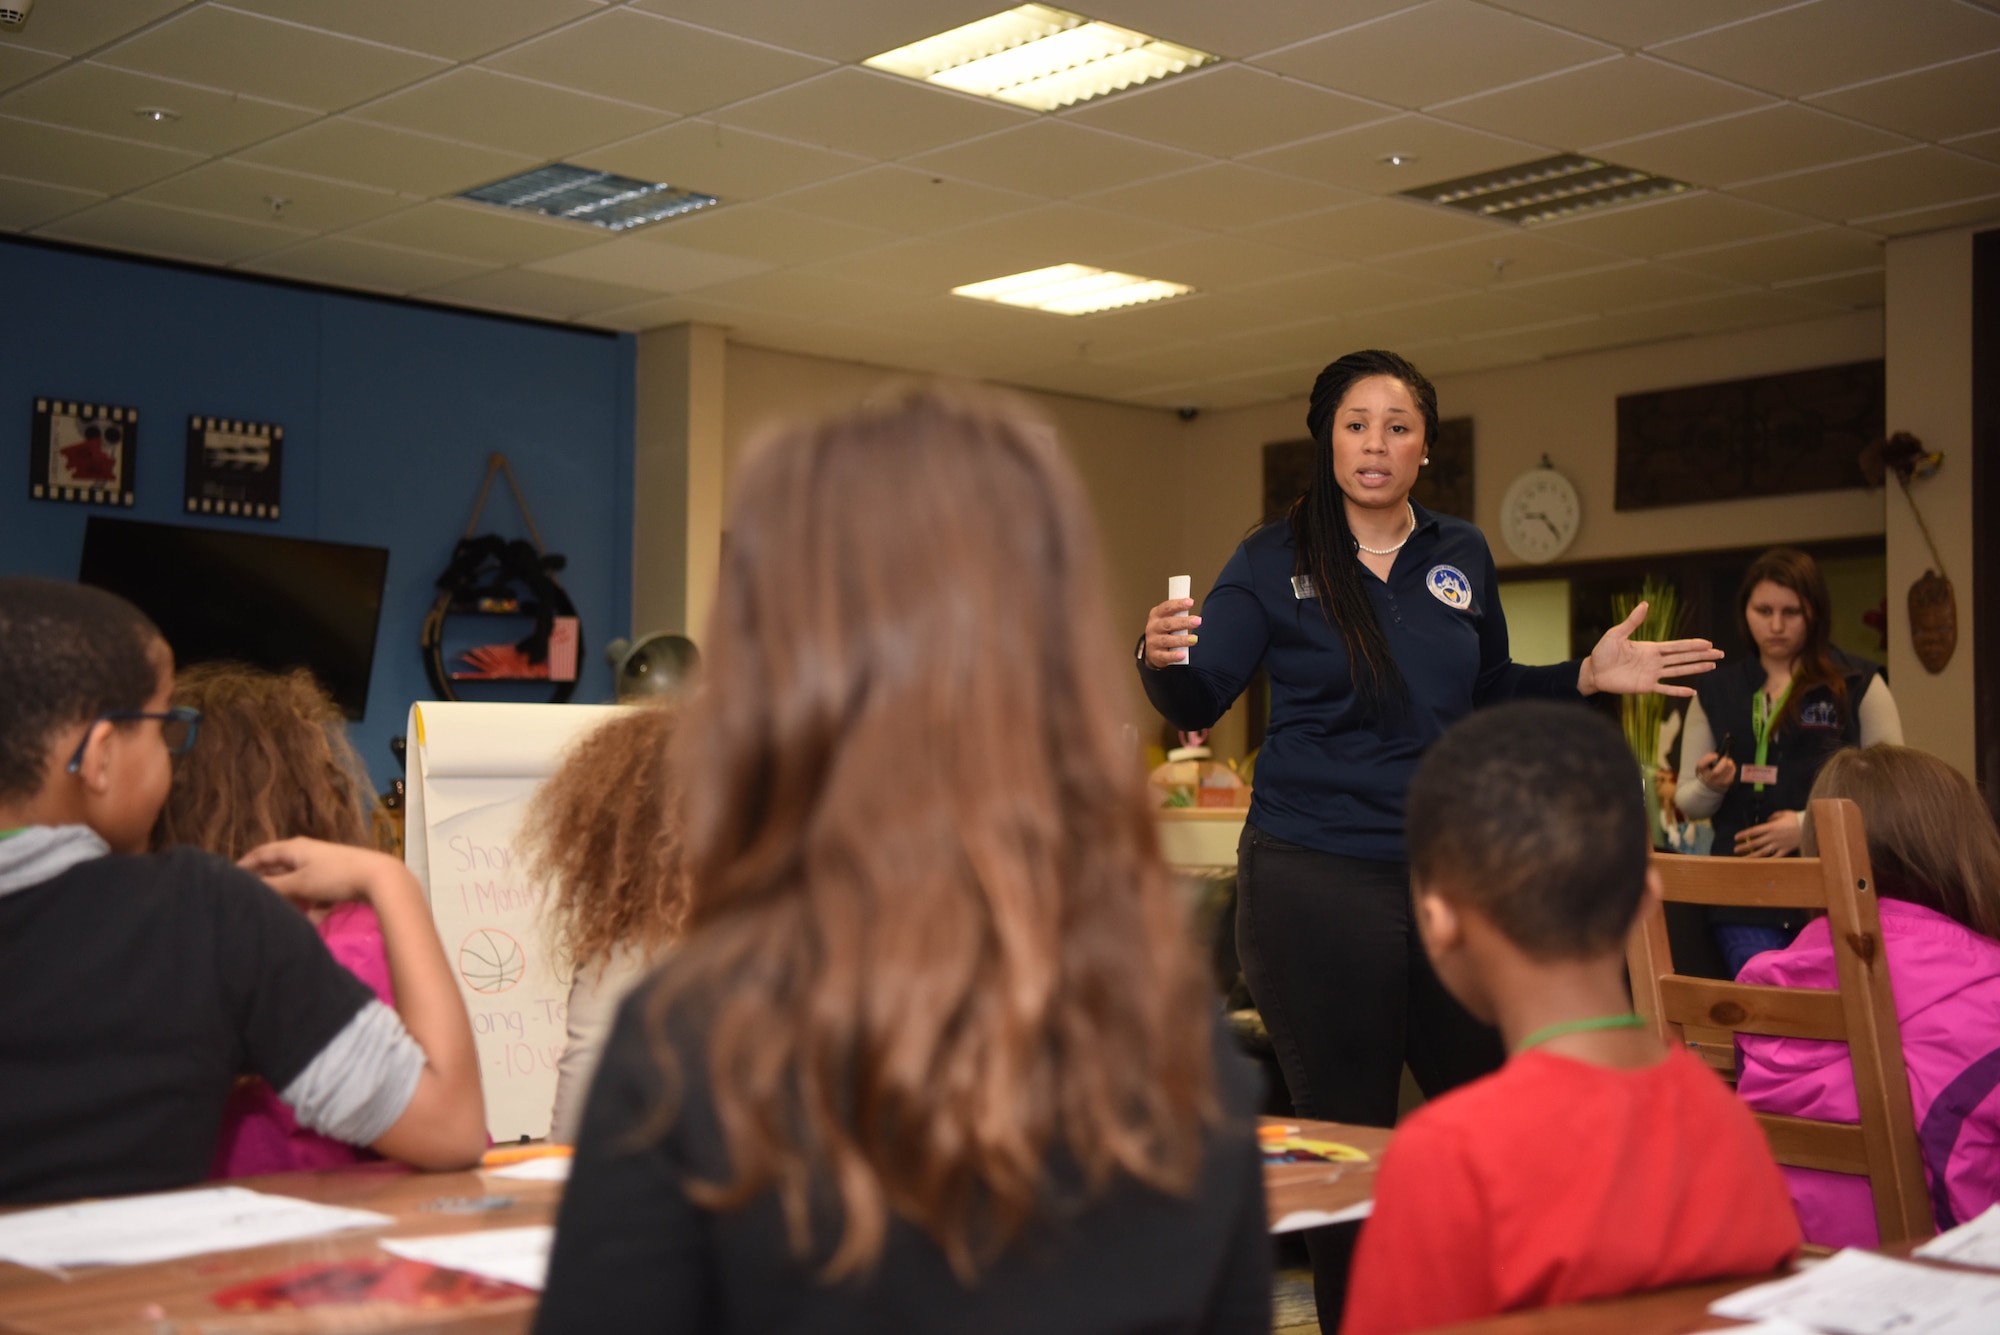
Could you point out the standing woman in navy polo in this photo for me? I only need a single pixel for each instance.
(1378, 624)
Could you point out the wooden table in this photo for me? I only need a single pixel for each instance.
(1322, 1186)
(174, 1297)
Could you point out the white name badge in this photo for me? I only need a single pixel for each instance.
(1302, 586)
(1766, 774)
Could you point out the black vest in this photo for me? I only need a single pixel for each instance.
(1820, 726)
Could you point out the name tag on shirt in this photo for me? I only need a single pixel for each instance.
(1766, 774)
(1302, 586)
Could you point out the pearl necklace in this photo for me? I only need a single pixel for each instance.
(1391, 551)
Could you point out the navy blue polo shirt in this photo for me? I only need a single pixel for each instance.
(1328, 776)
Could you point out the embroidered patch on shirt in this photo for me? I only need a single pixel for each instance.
(1449, 586)
(1819, 714)
(1302, 586)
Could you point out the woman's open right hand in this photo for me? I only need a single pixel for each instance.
(1717, 772)
(1169, 632)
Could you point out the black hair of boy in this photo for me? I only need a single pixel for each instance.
(1532, 813)
(68, 653)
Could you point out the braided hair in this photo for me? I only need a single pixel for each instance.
(1325, 543)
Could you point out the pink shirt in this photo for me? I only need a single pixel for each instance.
(1946, 980)
(259, 1133)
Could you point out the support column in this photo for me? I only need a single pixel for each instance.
(677, 478)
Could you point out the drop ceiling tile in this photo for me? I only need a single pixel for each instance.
(1437, 52)
(1982, 210)
(481, 106)
(1242, 29)
(765, 234)
(734, 164)
(387, 158)
(18, 64)
(478, 232)
(1317, 340)
(1221, 197)
(343, 262)
(1783, 259)
(1345, 290)
(802, 295)
(1460, 315)
(634, 261)
(657, 312)
(1613, 99)
(1640, 23)
(900, 199)
(1742, 310)
(1827, 44)
(88, 96)
(1620, 288)
(876, 115)
(554, 296)
(1449, 357)
(1380, 227)
(246, 53)
(1226, 111)
(1055, 158)
(1499, 262)
(1939, 103)
(32, 151)
(1433, 150)
(127, 224)
(853, 30)
(1063, 234)
(72, 29)
(1213, 262)
(1980, 145)
(1110, 381)
(455, 29)
(945, 318)
(916, 266)
(1584, 333)
(1916, 178)
(25, 204)
(656, 62)
(1187, 361)
(1858, 290)
(1678, 222)
(1755, 144)
(244, 190)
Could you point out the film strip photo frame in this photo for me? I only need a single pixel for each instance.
(83, 453)
(234, 468)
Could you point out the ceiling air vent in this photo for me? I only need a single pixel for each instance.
(601, 199)
(1547, 189)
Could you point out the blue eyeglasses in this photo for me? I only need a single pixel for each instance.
(178, 727)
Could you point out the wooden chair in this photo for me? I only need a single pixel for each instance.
(1860, 1013)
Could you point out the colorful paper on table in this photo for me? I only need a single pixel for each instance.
(1860, 1293)
(1975, 1242)
(1297, 1149)
(351, 1283)
(1304, 1219)
(162, 1227)
(510, 1255)
(548, 1168)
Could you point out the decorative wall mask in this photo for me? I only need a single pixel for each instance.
(1933, 604)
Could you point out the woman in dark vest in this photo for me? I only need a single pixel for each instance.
(1779, 715)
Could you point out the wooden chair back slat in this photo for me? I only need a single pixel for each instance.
(1862, 1013)
(1788, 1012)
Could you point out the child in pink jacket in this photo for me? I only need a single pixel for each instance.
(1936, 858)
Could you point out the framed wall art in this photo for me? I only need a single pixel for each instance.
(233, 467)
(83, 453)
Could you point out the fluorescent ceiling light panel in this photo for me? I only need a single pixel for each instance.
(1072, 289)
(1547, 189)
(1039, 57)
(615, 203)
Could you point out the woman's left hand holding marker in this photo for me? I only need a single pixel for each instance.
(1170, 630)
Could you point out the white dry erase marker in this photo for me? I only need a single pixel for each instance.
(1181, 586)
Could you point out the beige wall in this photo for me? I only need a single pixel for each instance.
(1930, 394)
(677, 468)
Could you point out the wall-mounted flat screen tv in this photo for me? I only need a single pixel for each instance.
(271, 602)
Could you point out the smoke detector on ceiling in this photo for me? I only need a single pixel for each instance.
(13, 13)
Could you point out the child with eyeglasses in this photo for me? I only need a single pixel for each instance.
(137, 987)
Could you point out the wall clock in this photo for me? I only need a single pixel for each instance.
(1540, 514)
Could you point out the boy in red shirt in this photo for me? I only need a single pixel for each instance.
(1594, 1163)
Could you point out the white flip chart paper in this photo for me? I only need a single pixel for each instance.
(134, 1230)
(510, 1255)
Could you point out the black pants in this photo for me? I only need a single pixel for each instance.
(1331, 953)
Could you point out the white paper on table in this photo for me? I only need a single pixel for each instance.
(161, 1227)
(1301, 1219)
(547, 1168)
(1777, 1325)
(1975, 1242)
(511, 1255)
(1860, 1293)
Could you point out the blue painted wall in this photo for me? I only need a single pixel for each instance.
(389, 409)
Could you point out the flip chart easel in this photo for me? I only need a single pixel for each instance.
(474, 769)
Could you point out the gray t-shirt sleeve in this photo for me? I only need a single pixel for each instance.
(362, 1081)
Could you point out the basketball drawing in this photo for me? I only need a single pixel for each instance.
(490, 961)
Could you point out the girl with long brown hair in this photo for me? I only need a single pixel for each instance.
(604, 834)
(1782, 711)
(937, 1052)
(1936, 860)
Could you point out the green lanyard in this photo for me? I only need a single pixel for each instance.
(1595, 1022)
(1763, 716)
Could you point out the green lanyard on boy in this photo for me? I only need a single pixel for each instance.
(1763, 720)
